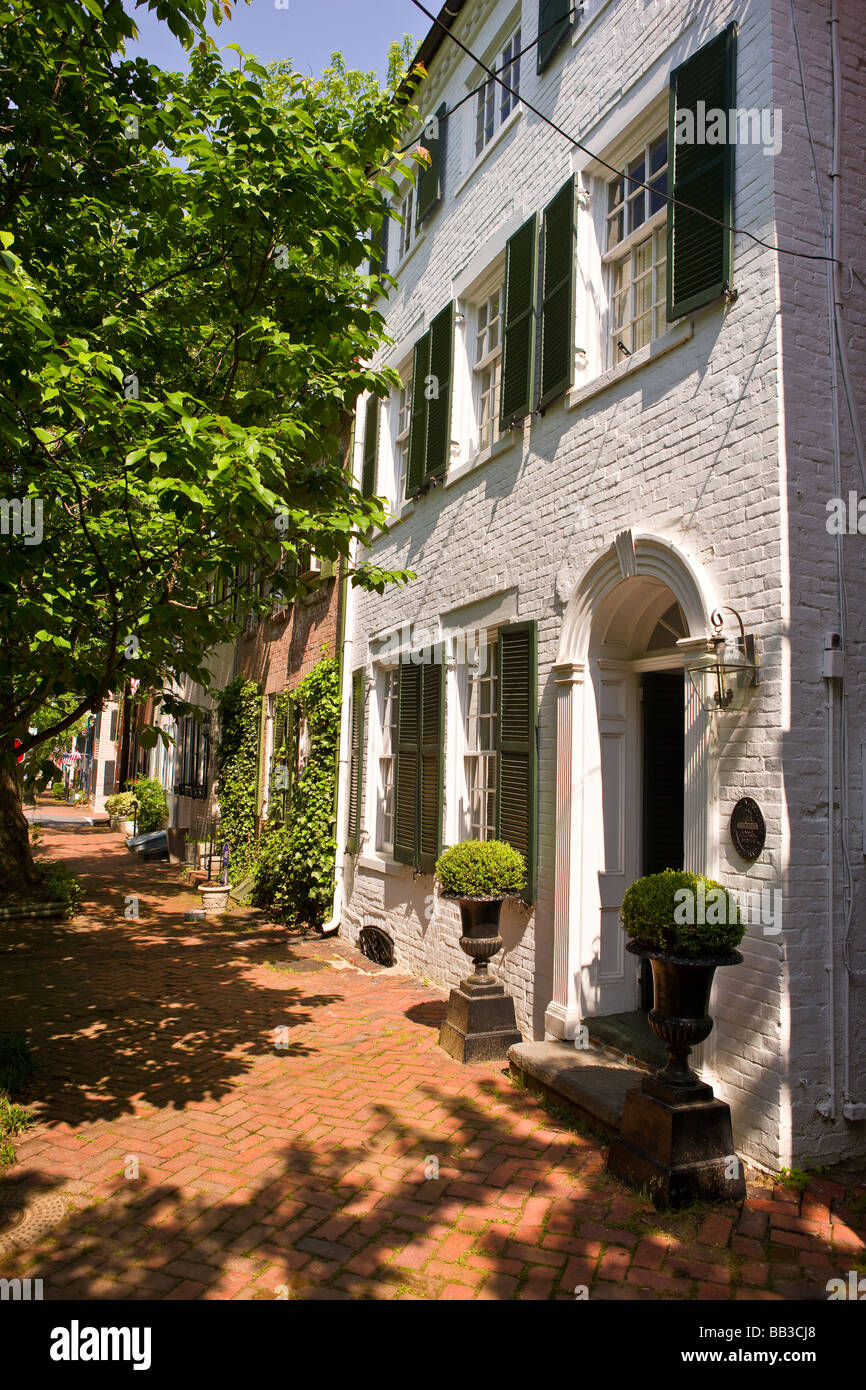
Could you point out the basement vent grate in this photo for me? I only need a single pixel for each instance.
(376, 945)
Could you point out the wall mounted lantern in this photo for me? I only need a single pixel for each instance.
(727, 669)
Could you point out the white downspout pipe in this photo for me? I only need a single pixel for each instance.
(344, 746)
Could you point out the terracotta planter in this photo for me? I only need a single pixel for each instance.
(681, 997)
(214, 898)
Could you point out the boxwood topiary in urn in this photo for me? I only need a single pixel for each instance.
(479, 874)
(675, 1137)
(481, 869)
(687, 925)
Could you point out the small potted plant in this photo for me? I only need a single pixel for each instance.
(121, 809)
(190, 850)
(479, 875)
(687, 926)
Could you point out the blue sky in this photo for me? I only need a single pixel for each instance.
(307, 31)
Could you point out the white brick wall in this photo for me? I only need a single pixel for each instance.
(730, 476)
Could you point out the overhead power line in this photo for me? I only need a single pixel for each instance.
(514, 58)
(636, 183)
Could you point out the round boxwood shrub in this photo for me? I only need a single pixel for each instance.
(121, 804)
(682, 914)
(481, 869)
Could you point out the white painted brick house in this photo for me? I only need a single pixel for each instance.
(653, 460)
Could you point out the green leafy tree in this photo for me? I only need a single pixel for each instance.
(187, 317)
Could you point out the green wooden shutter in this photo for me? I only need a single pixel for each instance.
(554, 22)
(516, 763)
(438, 450)
(407, 772)
(356, 768)
(700, 252)
(415, 471)
(371, 447)
(557, 307)
(518, 347)
(429, 189)
(280, 796)
(432, 740)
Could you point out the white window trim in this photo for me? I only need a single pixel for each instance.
(381, 671)
(455, 783)
(420, 238)
(397, 496)
(680, 332)
(490, 359)
(464, 426)
(628, 243)
(592, 359)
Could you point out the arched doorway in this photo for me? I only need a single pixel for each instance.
(634, 772)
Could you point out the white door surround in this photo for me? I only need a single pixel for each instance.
(600, 658)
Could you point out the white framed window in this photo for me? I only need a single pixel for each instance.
(402, 406)
(493, 104)
(480, 701)
(511, 74)
(487, 366)
(406, 209)
(636, 250)
(387, 760)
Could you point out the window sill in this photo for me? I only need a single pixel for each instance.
(680, 333)
(510, 121)
(502, 445)
(380, 864)
(420, 238)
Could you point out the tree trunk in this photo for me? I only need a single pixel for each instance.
(17, 870)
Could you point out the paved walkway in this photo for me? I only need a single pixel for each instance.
(199, 1153)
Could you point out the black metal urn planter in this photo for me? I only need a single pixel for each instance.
(480, 1024)
(676, 1137)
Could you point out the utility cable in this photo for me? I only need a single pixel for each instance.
(636, 183)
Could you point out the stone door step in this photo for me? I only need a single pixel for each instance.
(590, 1084)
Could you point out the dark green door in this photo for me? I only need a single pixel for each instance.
(663, 698)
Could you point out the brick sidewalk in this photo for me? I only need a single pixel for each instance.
(303, 1172)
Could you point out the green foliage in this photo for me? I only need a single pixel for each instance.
(295, 866)
(152, 805)
(656, 911)
(13, 1121)
(57, 884)
(237, 753)
(187, 324)
(16, 1062)
(121, 804)
(481, 869)
(58, 791)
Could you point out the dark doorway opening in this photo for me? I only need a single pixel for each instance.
(664, 768)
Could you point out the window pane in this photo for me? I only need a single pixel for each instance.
(511, 76)
(659, 155)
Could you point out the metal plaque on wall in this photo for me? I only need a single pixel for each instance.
(748, 831)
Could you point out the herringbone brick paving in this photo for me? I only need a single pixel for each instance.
(200, 1159)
